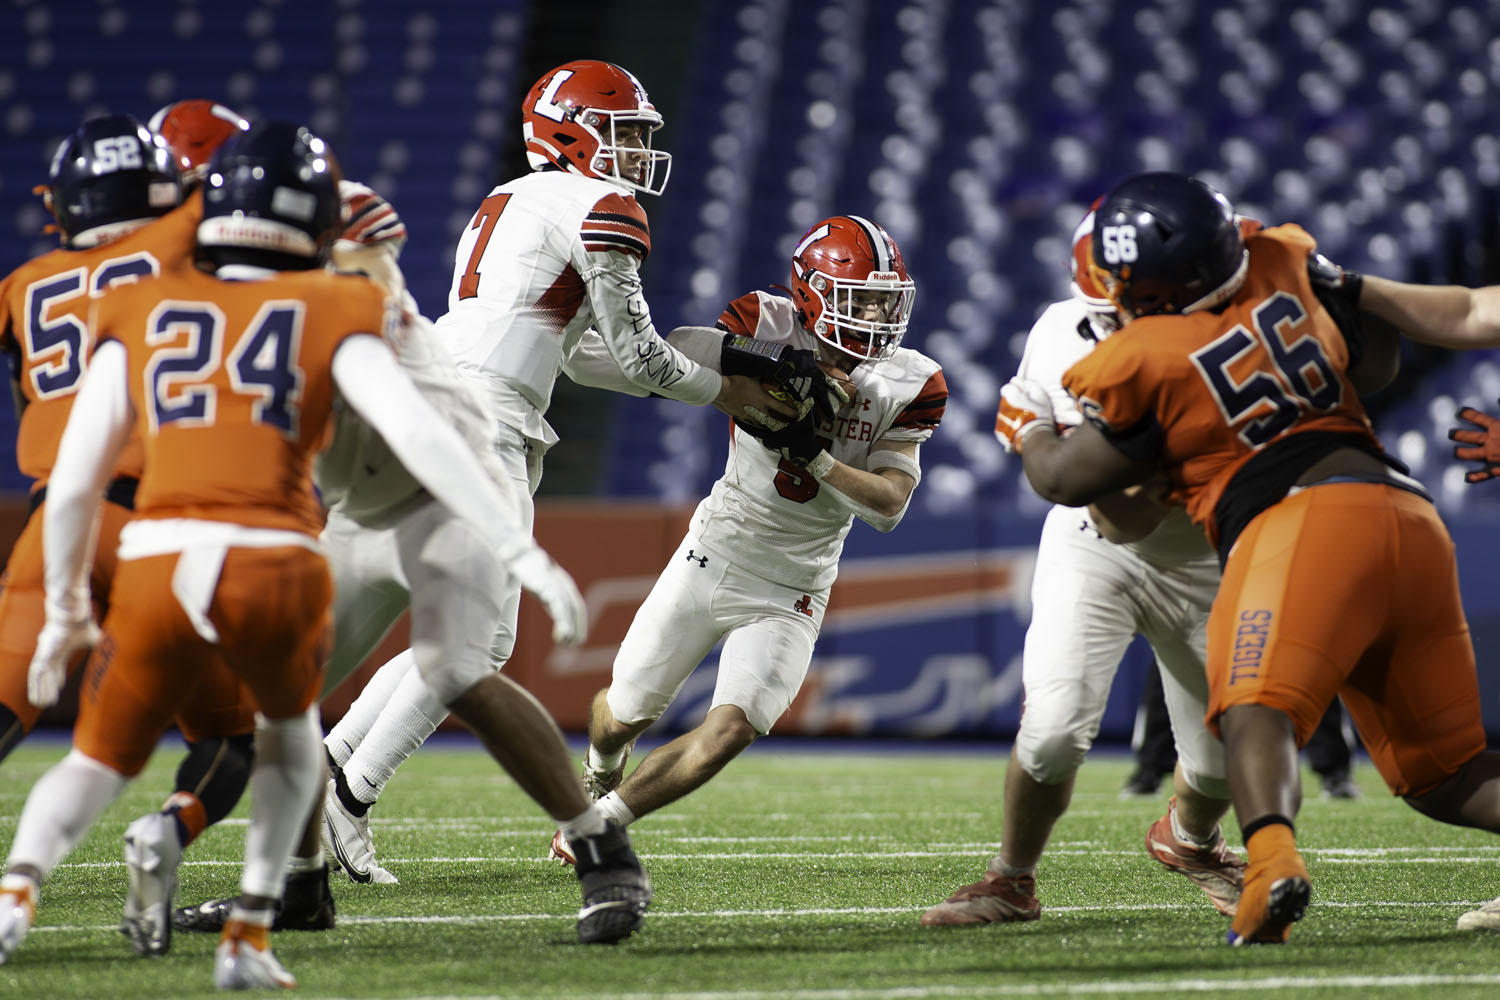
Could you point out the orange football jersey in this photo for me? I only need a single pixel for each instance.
(1209, 390)
(232, 387)
(44, 311)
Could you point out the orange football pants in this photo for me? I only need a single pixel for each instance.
(271, 609)
(22, 601)
(1352, 589)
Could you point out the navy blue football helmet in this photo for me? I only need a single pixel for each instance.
(110, 175)
(272, 190)
(1167, 243)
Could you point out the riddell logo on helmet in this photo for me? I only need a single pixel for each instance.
(883, 276)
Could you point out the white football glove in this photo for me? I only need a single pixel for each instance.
(56, 646)
(1024, 407)
(556, 590)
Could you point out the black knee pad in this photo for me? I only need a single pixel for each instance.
(217, 771)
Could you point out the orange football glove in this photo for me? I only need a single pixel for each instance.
(1024, 407)
(1483, 445)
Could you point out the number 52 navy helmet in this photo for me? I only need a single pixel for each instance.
(110, 176)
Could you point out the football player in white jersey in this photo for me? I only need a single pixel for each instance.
(1090, 597)
(763, 547)
(546, 280)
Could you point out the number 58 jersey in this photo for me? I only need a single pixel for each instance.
(232, 387)
(770, 516)
(1206, 392)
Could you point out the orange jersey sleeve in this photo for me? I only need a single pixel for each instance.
(617, 222)
(44, 316)
(232, 387)
(1204, 393)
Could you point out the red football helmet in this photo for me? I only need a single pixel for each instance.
(1104, 318)
(193, 130)
(572, 117)
(851, 287)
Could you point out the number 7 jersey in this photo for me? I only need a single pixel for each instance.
(1206, 392)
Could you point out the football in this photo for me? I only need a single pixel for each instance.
(837, 374)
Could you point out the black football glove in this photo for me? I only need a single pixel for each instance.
(1482, 445)
(791, 374)
(1326, 276)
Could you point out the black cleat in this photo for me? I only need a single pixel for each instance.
(306, 904)
(616, 889)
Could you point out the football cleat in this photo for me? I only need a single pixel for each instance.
(559, 850)
(17, 914)
(616, 889)
(306, 904)
(350, 843)
(243, 961)
(1276, 895)
(994, 899)
(600, 783)
(1216, 870)
(152, 853)
(1486, 918)
(1339, 785)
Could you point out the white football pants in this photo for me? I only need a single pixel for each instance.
(1090, 597)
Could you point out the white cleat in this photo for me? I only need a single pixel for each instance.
(17, 914)
(152, 853)
(349, 842)
(240, 965)
(1486, 918)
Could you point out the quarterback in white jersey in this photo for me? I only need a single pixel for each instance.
(1090, 597)
(763, 547)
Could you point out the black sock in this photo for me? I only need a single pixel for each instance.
(346, 796)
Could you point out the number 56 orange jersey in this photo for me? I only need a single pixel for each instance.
(232, 387)
(1204, 392)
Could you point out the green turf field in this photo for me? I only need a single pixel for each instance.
(795, 873)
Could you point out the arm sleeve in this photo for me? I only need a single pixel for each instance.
(371, 381)
(606, 255)
(592, 365)
(98, 427)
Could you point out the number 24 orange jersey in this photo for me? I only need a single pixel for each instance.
(1209, 390)
(232, 387)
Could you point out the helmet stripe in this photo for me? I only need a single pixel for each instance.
(877, 240)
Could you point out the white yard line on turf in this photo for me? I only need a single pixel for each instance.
(816, 911)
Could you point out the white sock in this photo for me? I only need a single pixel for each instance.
(351, 729)
(63, 804)
(409, 717)
(588, 823)
(284, 786)
(614, 809)
(300, 865)
(999, 867)
(1187, 838)
(256, 918)
(603, 763)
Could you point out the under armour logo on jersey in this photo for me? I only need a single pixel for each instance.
(866, 406)
(700, 560)
(803, 605)
(1089, 529)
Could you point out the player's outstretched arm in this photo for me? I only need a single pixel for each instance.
(371, 380)
(1444, 315)
(1081, 468)
(98, 427)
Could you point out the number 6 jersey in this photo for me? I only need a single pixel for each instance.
(771, 516)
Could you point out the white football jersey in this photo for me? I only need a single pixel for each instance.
(360, 474)
(546, 257)
(771, 516)
(1058, 339)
